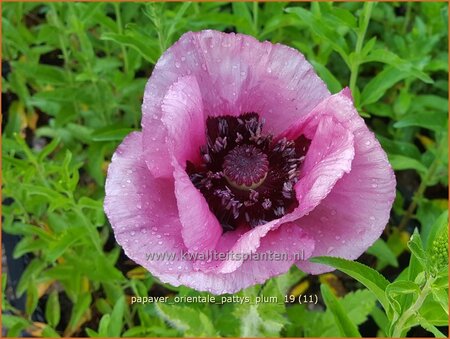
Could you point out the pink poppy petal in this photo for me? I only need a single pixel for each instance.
(251, 272)
(200, 228)
(329, 157)
(236, 74)
(142, 210)
(357, 209)
(242, 241)
(182, 115)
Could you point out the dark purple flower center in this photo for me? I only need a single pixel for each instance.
(247, 177)
(245, 167)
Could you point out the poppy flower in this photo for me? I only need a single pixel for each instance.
(244, 154)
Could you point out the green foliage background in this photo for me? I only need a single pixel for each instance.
(73, 76)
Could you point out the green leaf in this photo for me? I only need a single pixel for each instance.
(115, 326)
(65, 240)
(433, 312)
(400, 162)
(367, 276)
(261, 320)
(104, 325)
(333, 84)
(380, 319)
(390, 58)
(52, 309)
(48, 149)
(133, 38)
(49, 332)
(378, 85)
(441, 296)
(45, 74)
(92, 334)
(33, 269)
(111, 134)
(241, 10)
(402, 287)
(28, 230)
(416, 247)
(188, 320)
(434, 120)
(80, 308)
(358, 305)
(32, 298)
(382, 251)
(392, 146)
(137, 331)
(440, 225)
(323, 31)
(346, 327)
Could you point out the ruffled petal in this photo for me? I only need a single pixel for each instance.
(329, 157)
(355, 212)
(182, 115)
(254, 271)
(200, 228)
(143, 214)
(236, 74)
(142, 211)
